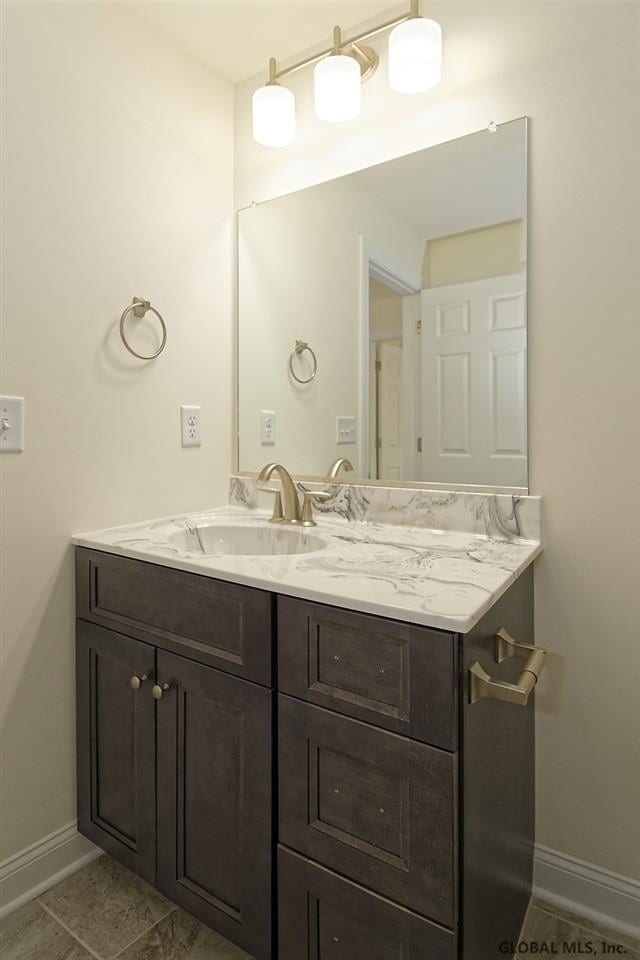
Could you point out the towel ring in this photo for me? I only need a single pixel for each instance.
(139, 308)
(300, 347)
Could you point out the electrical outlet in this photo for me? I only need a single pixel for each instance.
(11, 424)
(190, 426)
(345, 429)
(267, 427)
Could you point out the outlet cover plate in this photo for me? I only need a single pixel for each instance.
(190, 426)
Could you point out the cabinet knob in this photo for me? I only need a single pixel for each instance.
(136, 682)
(159, 690)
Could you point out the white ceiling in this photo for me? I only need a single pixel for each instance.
(237, 37)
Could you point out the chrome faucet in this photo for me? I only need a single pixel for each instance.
(287, 506)
(334, 469)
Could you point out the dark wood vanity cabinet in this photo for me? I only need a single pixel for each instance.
(178, 788)
(401, 814)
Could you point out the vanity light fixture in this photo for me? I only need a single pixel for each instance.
(337, 86)
(415, 55)
(274, 112)
(415, 65)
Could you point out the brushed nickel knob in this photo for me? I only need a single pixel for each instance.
(136, 682)
(159, 690)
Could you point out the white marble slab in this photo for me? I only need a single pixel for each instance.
(431, 575)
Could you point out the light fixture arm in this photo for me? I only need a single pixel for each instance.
(339, 44)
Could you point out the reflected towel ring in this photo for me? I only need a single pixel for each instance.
(300, 347)
(139, 308)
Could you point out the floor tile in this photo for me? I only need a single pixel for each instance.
(181, 937)
(106, 906)
(632, 943)
(541, 927)
(32, 934)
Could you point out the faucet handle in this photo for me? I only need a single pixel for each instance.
(277, 516)
(307, 509)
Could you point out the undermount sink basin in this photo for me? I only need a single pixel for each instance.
(214, 540)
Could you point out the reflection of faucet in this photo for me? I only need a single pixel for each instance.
(286, 507)
(334, 469)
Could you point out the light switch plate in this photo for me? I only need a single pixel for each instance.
(190, 426)
(267, 427)
(11, 424)
(345, 429)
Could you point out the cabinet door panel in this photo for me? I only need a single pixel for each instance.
(116, 746)
(214, 800)
(378, 808)
(322, 916)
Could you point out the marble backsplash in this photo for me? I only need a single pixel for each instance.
(500, 515)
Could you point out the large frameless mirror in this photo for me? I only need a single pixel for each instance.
(382, 320)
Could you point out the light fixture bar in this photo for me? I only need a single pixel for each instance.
(414, 11)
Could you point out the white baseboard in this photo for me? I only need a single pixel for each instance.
(36, 868)
(568, 883)
(582, 888)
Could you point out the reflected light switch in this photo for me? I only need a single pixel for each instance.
(345, 429)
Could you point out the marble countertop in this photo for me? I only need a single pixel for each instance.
(439, 578)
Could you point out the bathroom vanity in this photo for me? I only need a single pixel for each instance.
(319, 739)
(312, 779)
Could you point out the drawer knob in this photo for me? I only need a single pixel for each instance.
(336, 658)
(381, 671)
(136, 682)
(336, 939)
(159, 690)
(381, 809)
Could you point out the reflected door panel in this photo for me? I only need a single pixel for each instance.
(473, 353)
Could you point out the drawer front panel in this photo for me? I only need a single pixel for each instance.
(221, 624)
(395, 675)
(378, 808)
(324, 917)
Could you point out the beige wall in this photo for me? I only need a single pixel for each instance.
(117, 182)
(474, 254)
(574, 69)
(385, 308)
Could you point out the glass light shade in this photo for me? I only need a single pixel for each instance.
(415, 55)
(274, 116)
(337, 89)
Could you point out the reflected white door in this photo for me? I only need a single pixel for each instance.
(390, 410)
(474, 426)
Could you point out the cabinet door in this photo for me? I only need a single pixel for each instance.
(322, 916)
(375, 807)
(116, 746)
(214, 799)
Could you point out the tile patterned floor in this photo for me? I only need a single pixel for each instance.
(104, 912)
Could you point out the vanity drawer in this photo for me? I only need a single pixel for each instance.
(395, 675)
(379, 808)
(217, 623)
(324, 917)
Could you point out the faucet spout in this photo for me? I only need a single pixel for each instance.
(334, 469)
(290, 501)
